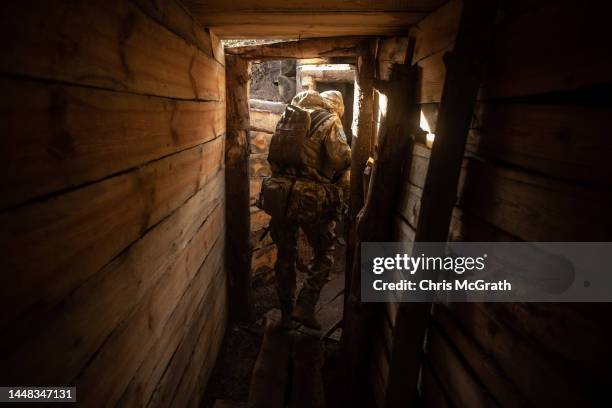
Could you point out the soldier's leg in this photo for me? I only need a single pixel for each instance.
(284, 235)
(321, 237)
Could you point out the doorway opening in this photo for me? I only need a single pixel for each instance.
(273, 83)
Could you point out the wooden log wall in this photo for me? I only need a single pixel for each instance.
(535, 169)
(112, 200)
(264, 117)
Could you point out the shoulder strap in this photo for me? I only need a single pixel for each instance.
(317, 118)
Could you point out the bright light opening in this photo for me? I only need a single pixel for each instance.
(425, 126)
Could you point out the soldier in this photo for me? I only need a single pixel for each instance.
(309, 154)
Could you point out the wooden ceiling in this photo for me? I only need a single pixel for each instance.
(309, 18)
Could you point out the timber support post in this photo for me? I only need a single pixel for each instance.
(464, 71)
(363, 133)
(237, 214)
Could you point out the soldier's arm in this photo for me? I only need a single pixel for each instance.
(337, 149)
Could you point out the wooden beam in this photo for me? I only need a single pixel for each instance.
(360, 149)
(375, 222)
(464, 73)
(309, 24)
(93, 225)
(59, 137)
(107, 44)
(300, 49)
(321, 5)
(237, 187)
(354, 342)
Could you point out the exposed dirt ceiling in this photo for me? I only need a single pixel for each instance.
(309, 18)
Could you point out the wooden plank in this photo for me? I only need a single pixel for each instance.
(173, 15)
(535, 208)
(307, 390)
(58, 137)
(129, 345)
(485, 368)
(432, 77)
(205, 369)
(549, 382)
(67, 340)
(410, 205)
(405, 233)
(262, 105)
(561, 141)
(380, 370)
(237, 187)
(263, 121)
(394, 50)
(436, 33)
(263, 24)
(523, 205)
(433, 393)
(575, 335)
(218, 48)
(270, 376)
(70, 237)
(171, 352)
(324, 73)
(198, 338)
(545, 48)
(308, 48)
(109, 44)
(290, 5)
(439, 192)
(527, 35)
(457, 379)
(358, 317)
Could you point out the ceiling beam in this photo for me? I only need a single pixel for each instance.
(300, 49)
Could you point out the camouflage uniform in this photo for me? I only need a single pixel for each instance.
(314, 204)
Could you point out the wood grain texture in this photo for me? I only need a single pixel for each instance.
(108, 44)
(173, 15)
(456, 378)
(307, 48)
(70, 237)
(206, 297)
(432, 389)
(484, 368)
(536, 208)
(550, 47)
(125, 350)
(298, 5)
(549, 383)
(110, 295)
(530, 54)
(290, 25)
(58, 137)
(570, 142)
(238, 218)
(436, 33)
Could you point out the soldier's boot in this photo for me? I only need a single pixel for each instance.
(304, 310)
(285, 288)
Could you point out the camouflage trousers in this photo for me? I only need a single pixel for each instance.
(321, 238)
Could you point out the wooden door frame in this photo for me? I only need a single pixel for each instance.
(237, 150)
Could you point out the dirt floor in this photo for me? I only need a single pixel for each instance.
(232, 373)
